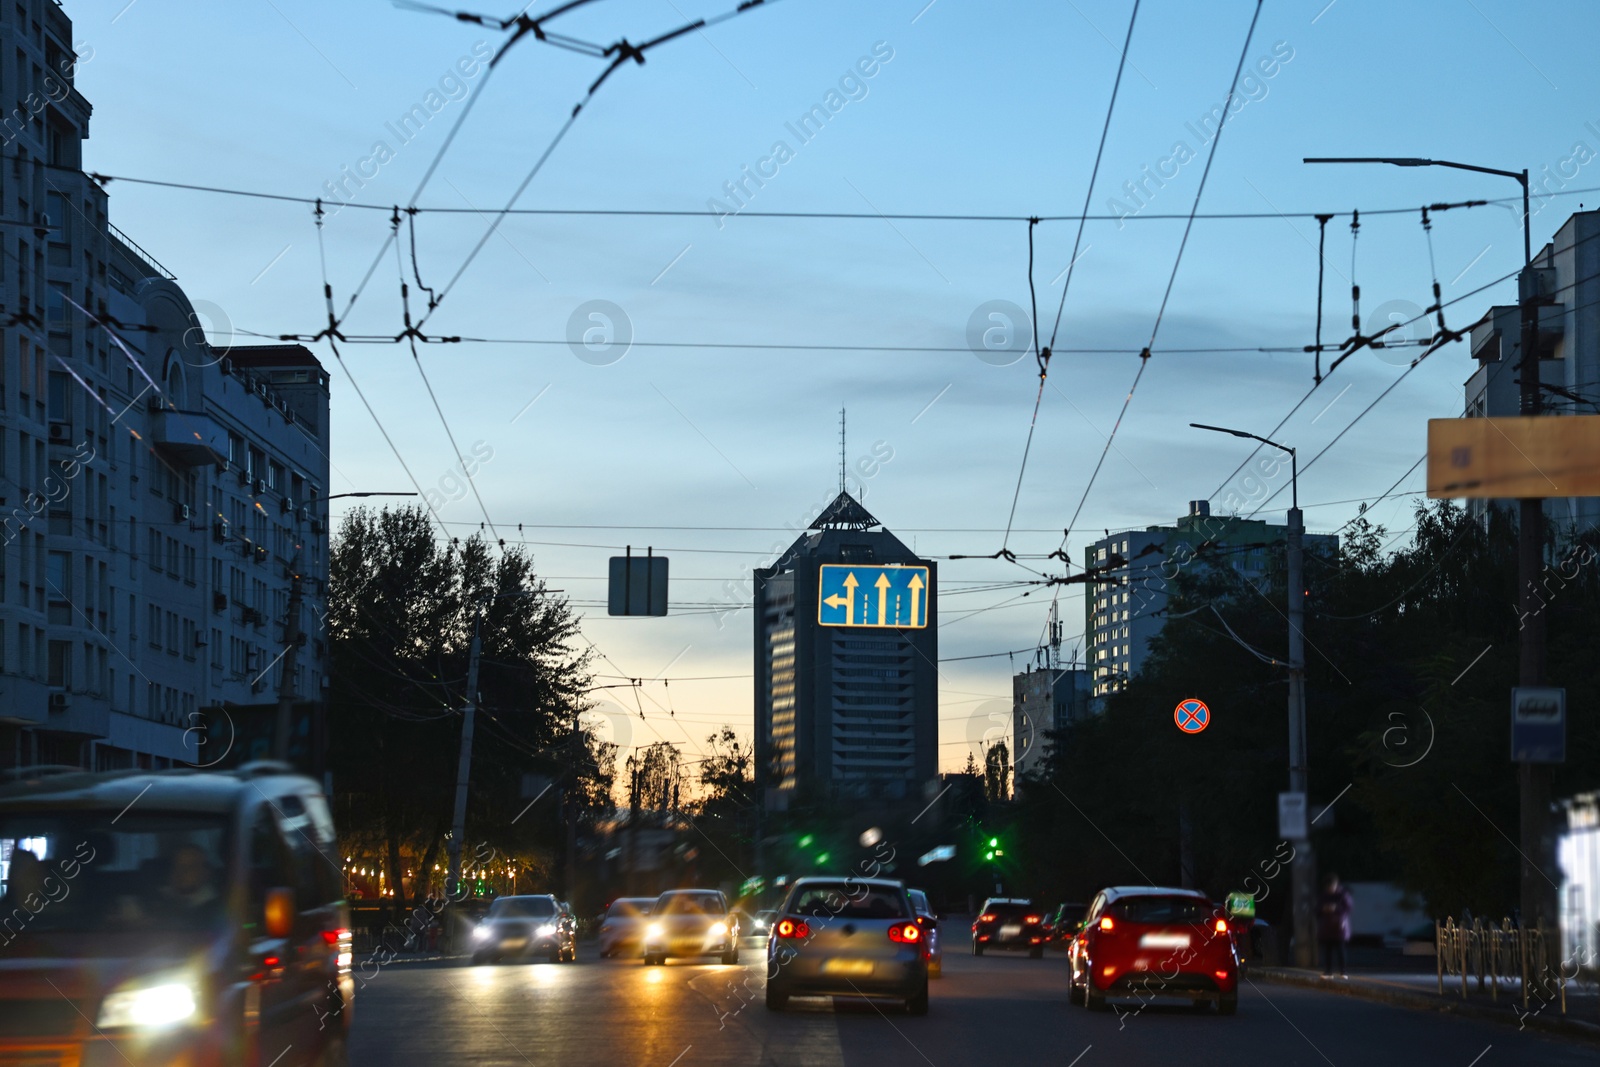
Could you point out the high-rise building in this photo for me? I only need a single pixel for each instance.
(846, 708)
(1135, 570)
(157, 494)
(1044, 699)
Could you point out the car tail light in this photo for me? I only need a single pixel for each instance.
(1106, 924)
(986, 917)
(1222, 926)
(333, 937)
(792, 928)
(1031, 919)
(905, 933)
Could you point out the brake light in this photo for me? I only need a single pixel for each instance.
(333, 937)
(792, 928)
(1031, 919)
(1106, 924)
(1222, 926)
(905, 933)
(986, 917)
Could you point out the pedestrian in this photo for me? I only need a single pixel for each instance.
(1333, 925)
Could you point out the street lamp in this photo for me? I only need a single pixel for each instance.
(336, 496)
(1303, 871)
(1538, 895)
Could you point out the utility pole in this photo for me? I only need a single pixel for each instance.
(458, 825)
(1538, 896)
(1303, 872)
(291, 655)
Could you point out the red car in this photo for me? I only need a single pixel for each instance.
(1146, 941)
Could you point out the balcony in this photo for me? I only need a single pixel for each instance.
(191, 438)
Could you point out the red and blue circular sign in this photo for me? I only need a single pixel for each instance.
(1192, 716)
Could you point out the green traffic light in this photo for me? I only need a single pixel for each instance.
(988, 855)
(805, 842)
(822, 857)
(994, 842)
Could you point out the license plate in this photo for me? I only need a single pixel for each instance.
(1164, 941)
(848, 968)
(513, 942)
(1011, 930)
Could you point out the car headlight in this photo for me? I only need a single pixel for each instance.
(149, 1005)
(654, 931)
(547, 930)
(719, 929)
(480, 932)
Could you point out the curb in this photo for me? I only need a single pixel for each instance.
(1553, 1024)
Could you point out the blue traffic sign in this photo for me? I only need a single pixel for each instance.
(890, 597)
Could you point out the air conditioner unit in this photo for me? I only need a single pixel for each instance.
(219, 531)
(260, 486)
(224, 466)
(284, 504)
(261, 553)
(244, 475)
(316, 526)
(58, 702)
(181, 512)
(60, 433)
(219, 601)
(153, 402)
(252, 617)
(299, 512)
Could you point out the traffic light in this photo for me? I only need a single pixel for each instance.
(994, 842)
(805, 841)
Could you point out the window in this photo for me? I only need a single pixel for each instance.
(57, 397)
(154, 633)
(60, 664)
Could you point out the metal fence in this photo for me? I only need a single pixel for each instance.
(1499, 955)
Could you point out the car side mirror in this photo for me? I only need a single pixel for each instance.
(278, 914)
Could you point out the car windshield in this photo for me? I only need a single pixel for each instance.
(849, 900)
(522, 908)
(689, 904)
(1161, 910)
(628, 909)
(112, 872)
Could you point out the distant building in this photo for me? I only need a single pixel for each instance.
(156, 493)
(1136, 568)
(1043, 700)
(1569, 352)
(843, 711)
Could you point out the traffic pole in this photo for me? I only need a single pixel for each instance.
(1303, 869)
(458, 825)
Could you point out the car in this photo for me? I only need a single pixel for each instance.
(1148, 941)
(1008, 922)
(622, 926)
(1061, 925)
(174, 916)
(847, 937)
(691, 922)
(930, 926)
(763, 921)
(751, 929)
(526, 927)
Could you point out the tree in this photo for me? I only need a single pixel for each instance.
(997, 772)
(401, 611)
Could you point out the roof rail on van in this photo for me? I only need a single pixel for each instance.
(262, 767)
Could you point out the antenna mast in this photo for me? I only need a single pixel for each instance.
(841, 450)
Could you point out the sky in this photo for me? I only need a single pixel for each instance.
(710, 450)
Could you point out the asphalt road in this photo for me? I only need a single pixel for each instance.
(618, 1013)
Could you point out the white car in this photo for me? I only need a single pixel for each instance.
(622, 929)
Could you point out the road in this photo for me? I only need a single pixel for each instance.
(618, 1013)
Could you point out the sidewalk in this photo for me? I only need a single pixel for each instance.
(1419, 990)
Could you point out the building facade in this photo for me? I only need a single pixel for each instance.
(1568, 275)
(842, 711)
(158, 496)
(1136, 569)
(1044, 700)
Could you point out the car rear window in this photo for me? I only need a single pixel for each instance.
(522, 908)
(1161, 910)
(689, 904)
(849, 900)
(1009, 911)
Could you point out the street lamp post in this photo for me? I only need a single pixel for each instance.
(1303, 870)
(1534, 783)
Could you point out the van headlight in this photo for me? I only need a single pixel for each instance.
(547, 930)
(654, 931)
(149, 1004)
